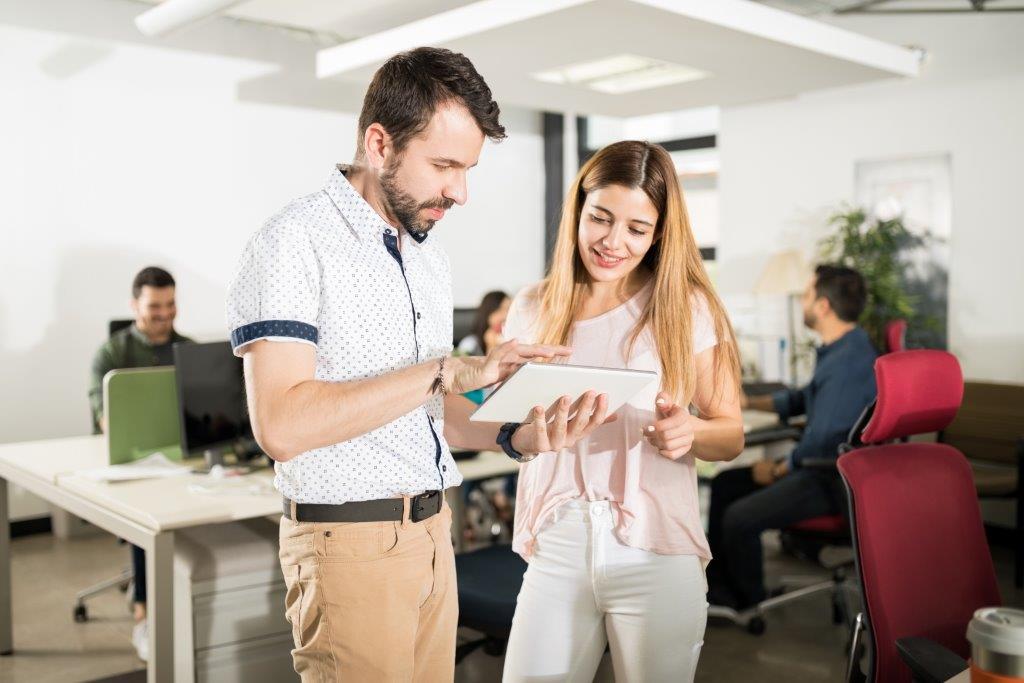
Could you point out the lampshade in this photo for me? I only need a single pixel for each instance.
(785, 273)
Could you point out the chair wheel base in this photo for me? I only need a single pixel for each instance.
(749, 619)
(81, 614)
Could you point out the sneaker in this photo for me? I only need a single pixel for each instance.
(140, 639)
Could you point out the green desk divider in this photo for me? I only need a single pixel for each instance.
(142, 414)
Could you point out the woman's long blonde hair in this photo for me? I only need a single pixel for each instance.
(674, 260)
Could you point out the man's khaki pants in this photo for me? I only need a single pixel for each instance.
(371, 601)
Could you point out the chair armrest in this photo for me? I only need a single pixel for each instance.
(929, 662)
(820, 464)
(770, 434)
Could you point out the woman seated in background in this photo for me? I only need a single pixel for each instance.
(490, 318)
(485, 335)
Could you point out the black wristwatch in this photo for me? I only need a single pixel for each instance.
(505, 441)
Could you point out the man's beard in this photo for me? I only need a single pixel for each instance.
(809, 320)
(403, 207)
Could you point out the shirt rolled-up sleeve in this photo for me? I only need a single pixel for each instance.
(790, 402)
(275, 293)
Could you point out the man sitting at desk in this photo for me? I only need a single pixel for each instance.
(747, 501)
(147, 342)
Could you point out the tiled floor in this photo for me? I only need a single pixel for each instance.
(800, 643)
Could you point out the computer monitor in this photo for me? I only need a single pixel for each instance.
(211, 400)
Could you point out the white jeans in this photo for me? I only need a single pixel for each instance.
(584, 589)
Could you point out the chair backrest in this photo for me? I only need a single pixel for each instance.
(918, 392)
(896, 335)
(462, 323)
(922, 557)
(115, 326)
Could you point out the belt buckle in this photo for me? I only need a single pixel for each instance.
(425, 506)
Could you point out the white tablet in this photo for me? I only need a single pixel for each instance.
(541, 384)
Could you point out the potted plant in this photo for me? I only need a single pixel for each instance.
(880, 247)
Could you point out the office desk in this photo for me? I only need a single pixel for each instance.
(147, 513)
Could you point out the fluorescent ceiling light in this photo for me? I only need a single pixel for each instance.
(621, 74)
(436, 29)
(172, 14)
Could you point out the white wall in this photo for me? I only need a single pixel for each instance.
(786, 165)
(120, 152)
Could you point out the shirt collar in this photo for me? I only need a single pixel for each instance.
(356, 211)
(846, 339)
(143, 339)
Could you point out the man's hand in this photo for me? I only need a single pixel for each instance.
(469, 373)
(763, 472)
(673, 433)
(780, 469)
(539, 435)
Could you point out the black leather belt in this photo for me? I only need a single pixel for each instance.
(421, 507)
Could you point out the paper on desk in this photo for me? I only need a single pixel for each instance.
(155, 466)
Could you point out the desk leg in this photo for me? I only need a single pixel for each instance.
(6, 627)
(160, 608)
(455, 502)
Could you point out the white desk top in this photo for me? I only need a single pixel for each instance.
(50, 458)
(486, 465)
(164, 504)
(157, 504)
(757, 419)
(170, 503)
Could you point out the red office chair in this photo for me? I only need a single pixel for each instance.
(922, 558)
(896, 335)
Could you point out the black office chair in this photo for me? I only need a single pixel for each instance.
(462, 323)
(115, 326)
(489, 580)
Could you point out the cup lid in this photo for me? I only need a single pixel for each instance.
(998, 629)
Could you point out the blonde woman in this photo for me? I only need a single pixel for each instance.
(610, 524)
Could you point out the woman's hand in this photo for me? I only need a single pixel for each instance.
(468, 373)
(569, 422)
(673, 432)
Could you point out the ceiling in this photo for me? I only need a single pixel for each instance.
(346, 20)
(748, 51)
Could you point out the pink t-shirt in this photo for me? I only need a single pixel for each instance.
(653, 498)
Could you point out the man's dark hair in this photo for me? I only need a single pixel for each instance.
(152, 276)
(407, 90)
(844, 288)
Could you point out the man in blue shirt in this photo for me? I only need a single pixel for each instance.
(747, 501)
